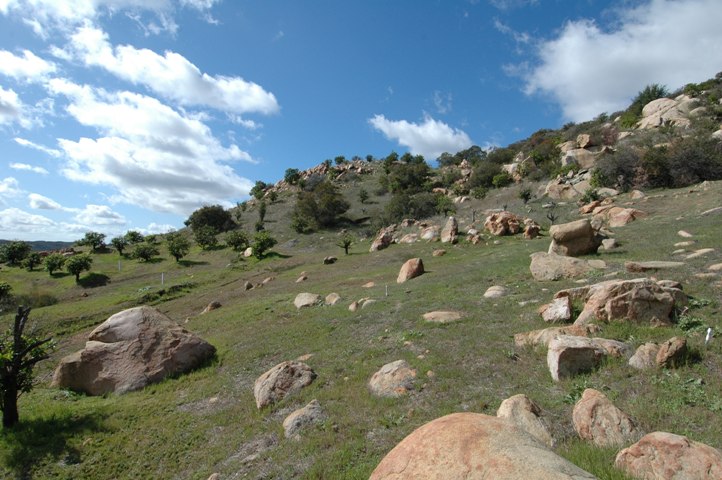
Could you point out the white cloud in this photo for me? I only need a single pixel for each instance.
(12, 108)
(512, 4)
(155, 228)
(39, 202)
(42, 15)
(41, 148)
(443, 102)
(588, 70)
(430, 138)
(14, 221)
(99, 215)
(171, 75)
(155, 157)
(29, 168)
(9, 187)
(28, 67)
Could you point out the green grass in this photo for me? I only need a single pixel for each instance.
(206, 421)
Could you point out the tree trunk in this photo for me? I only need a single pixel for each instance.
(10, 405)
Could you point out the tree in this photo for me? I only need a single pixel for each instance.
(178, 245)
(206, 237)
(18, 355)
(211, 216)
(119, 243)
(525, 195)
(319, 208)
(237, 240)
(258, 190)
(262, 211)
(77, 264)
(14, 253)
(145, 251)
(363, 195)
(32, 260)
(262, 242)
(345, 242)
(292, 176)
(94, 240)
(54, 262)
(133, 237)
(340, 160)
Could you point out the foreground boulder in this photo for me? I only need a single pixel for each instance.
(393, 380)
(599, 421)
(280, 381)
(640, 301)
(132, 349)
(568, 356)
(668, 456)
(473, 446)
(527, 415)
(544, 336)
(411, 269)
(574, 238)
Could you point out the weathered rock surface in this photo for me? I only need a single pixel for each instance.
(546, 335)
(619, 217)
(599, 421)
(393, 379)
(282, 380)
(439, 252)
(211, 306)
(473, 446)
(431, 234)
(131, 349)
(662, 455)
(306, 300)
(550, 266)
(450, 232)
(667, 110)
(558, 311)
(503, 223)
(441, 316)
(641, 301)
(409, 238)
(332, 298)
(383, 239)
(645, 356)
(672, 353)
(568, 356)
(411, 269)
(637, 267)
(574, 238)
(527, 415)
(303, 417)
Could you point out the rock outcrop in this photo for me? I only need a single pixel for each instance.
(550, 266)
(383, 239)
(503, 223)
(132, 349)
(473, 446)
(574, 238)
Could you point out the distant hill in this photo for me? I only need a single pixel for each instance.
(41, 246)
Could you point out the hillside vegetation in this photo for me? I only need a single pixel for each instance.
(207, 422)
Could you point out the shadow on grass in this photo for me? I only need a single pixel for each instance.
(93, 280)
(59, 274)
(190, 263)
(276, 255)
(32, 441)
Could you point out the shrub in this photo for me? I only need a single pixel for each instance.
(54, 262)
(484, 174)
(320, 208)
(145, 252)
(258, 190)
(13, 253)
(479, 192)
(502, 180)
(32, 260)
(206, 237)
(292, 176)
(617, 170)
(262, 242)
(237, 240)
(214, 216)
(77, 264)
(178, 245)
(345, 242)
(525, 195)
(363, 195)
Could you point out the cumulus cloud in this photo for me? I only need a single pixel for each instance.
(430, 138)
(41, 148)
(28, 67)
(42, 15)
(171, 75)
(154, 156)
(99, 215)
(14, 221)
(9, 187)
(29, 168)
(589, 70)
(12, 109)
(39, 202)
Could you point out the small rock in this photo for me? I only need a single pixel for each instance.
(329, 260)
(672, 353)
(442, 316)
(684, 234)
(306, 300)
(609, 244)
(717, 267)
(302, 278)
(568, 356)
(303, 417)
(368, 285)
(248, 252)
(439, 253)
(332, 298)
(282, 380)
(596, 419)
(559, 311)
(636, 267)
(645, 357)
(393, 380)
(700, 253)
(685, 244)
(495, 291)
(211, 306)
(527, 415)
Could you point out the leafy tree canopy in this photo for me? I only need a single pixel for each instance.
(214, 216)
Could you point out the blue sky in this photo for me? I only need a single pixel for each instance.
(130, 114)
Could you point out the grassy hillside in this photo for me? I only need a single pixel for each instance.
(206, 421)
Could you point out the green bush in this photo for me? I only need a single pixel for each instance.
(145, 252)
(13, 253)
(483, 174)
(206, 237)
(178, 245)
(214, 216)
(53, 263)
(320, 208)
(237, 240)
(502, 180)
(262, 243)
